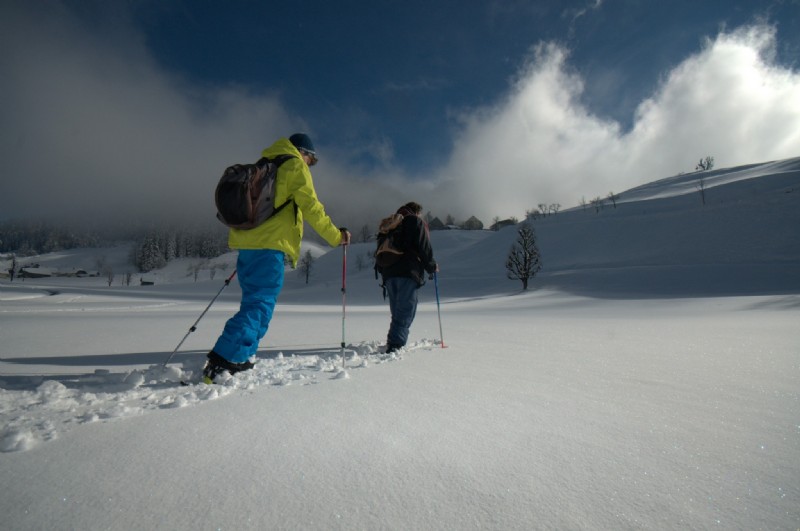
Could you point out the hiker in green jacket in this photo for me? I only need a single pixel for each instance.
(262, 251)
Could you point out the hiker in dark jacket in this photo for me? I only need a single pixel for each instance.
(402, 279)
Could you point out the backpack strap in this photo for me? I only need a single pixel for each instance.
(278, 161)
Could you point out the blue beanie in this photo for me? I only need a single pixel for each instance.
(303, 142)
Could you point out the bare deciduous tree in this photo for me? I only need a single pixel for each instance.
(195, 268)
(306, 265)
(523, 260)
(705, 164)
(701, 187)
(109, 274)
(366, 233)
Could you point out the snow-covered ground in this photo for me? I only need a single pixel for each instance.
(650, 379)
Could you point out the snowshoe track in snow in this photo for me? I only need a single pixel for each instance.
(49, 408)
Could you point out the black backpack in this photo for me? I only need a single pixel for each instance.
(390, 246)
(245, 194)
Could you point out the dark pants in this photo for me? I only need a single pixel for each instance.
(402, 293)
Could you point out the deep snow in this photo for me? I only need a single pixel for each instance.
(649, 380)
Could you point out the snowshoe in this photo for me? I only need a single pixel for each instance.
(391, 347)
(216, 365)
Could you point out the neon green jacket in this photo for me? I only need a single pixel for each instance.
(284, 231)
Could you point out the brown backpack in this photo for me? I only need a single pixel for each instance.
(390, 245)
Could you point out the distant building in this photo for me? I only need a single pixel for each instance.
(436, 224)
(503, 223)
(36, 272)
(473, 223)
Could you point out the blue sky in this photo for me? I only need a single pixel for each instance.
(396, 71)
(471, 107)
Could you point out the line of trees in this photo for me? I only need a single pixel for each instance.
(153, 248)
(157, 247)
(27, 238)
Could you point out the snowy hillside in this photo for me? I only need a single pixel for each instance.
(648, 380)
(660, 240)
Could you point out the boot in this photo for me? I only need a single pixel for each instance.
(216, 365)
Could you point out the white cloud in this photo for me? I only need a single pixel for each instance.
(541, 145)
(730, 100)
(573, 14)
(93, 125)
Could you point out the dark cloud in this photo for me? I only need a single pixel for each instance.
(93, 127)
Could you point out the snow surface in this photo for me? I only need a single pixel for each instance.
(650, 379)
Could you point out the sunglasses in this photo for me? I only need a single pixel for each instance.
(311, 156)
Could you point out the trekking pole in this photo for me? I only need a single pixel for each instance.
(344, 295)
(194, 326)
(438, 307)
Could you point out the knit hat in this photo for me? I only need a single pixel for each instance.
(302, 142)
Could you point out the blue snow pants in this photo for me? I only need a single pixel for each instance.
(402, 293)
(261, 278)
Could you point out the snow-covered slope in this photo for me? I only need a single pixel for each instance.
(659, 240)
(649, 404)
